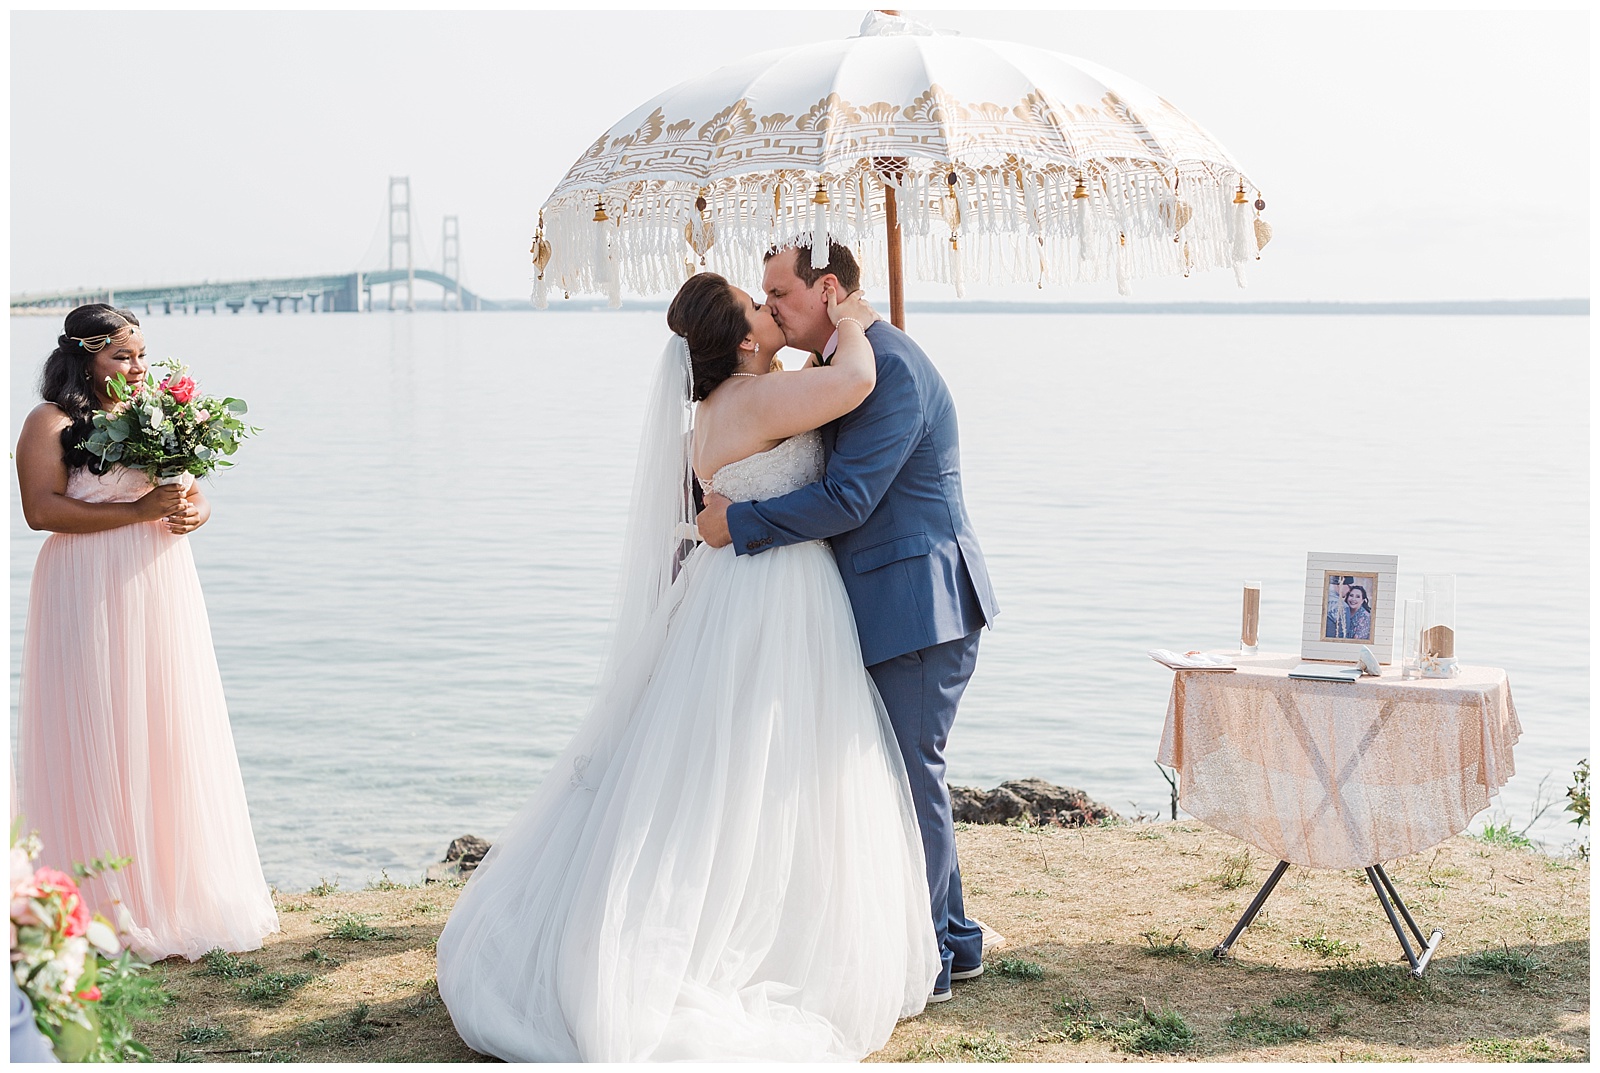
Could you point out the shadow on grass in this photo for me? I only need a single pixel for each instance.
(1511, 994)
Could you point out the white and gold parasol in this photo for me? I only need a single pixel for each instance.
(958, 158)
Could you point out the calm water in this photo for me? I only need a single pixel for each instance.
(409, 573)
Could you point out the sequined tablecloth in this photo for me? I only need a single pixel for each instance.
(1336, 774)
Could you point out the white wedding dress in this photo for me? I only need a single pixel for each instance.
(725, 863)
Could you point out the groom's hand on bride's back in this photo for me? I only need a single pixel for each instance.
(713, 521)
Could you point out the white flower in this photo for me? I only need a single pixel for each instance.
(125, 921)
(70, 958)
(21, 868)
(103, 938)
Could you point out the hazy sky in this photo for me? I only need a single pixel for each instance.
(1402, 156)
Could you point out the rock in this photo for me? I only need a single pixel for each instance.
(1037, 801)
(459, 860)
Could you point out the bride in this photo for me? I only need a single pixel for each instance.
(725, 861)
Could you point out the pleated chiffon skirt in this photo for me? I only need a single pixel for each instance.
(124, 746)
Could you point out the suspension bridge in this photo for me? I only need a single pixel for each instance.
(342, 292)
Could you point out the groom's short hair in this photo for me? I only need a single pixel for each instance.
(841, 263)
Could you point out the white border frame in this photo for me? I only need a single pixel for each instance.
(1318, 566)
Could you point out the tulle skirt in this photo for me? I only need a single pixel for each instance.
(724, 864)
(124, 745)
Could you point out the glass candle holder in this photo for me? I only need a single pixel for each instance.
(1411, 639)
(1250, 618)
(1438, 616)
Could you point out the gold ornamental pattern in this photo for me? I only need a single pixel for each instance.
(831, 137)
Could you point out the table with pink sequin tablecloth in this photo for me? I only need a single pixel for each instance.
(1338, 774)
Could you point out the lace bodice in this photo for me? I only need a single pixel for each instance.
(794, 463)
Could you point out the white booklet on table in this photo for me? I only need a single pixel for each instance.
(1192, 661)
(1327, 672)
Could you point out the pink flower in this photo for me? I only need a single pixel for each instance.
(90, 994)
(74, 911)
(182, 389)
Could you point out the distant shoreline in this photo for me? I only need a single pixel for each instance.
(1510, 307)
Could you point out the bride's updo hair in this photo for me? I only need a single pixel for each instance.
(712, 320)
(68, 371)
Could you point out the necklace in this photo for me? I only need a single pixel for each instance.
(743, 374)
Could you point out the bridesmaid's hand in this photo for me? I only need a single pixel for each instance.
(162, 501)
(186, 519)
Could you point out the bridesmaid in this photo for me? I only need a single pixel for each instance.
(123, 739)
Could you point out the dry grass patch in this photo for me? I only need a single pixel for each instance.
(1108, 959)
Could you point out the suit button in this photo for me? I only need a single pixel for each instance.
(751, 545)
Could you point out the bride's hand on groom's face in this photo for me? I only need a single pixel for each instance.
(713, 521)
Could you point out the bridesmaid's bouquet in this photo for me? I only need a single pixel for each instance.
(166, 428)
(83, 986)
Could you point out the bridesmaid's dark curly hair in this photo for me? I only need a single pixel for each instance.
(712, 320)
(66, 379)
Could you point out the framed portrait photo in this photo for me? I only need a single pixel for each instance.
(1349, 603)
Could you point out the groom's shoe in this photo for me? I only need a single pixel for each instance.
(940, 996)
(966, 974)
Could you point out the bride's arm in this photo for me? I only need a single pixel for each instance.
(42, 480)
(777, 406)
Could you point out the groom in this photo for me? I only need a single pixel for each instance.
(891, 503)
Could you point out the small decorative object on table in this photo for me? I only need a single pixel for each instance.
(1411, 640)
(1250, 618)
(167, 429)
(1349, 603)
(1438, 659)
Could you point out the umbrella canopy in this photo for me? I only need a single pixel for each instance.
(986, 160)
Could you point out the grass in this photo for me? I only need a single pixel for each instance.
(1105, 887)
(1019, 969)
(195, 1032)
(229, 966)
(353, 927)
(1259, 1026)
(383, 882)
(1377, 983)
(1161, 1031)
(346, 1030)
(1324, 947)
(1502, 962)
(987, 1047)
(1502, 835)
(274, 986)
(1166, 946)
(324, 888)
(1235, 871)
(1535, 1049)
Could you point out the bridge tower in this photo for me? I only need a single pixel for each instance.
(452, 259)
(400, 236)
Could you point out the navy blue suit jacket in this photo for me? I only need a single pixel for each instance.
(891, 503)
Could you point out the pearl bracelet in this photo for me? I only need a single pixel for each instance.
(851, 320)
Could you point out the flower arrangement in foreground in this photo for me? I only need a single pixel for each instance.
(166, 428)
(84, 987)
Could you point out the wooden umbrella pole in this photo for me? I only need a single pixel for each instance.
(897, 285)
(895, 166)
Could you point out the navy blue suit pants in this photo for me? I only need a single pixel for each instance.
(921, 690)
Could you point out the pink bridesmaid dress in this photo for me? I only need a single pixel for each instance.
(123, 739)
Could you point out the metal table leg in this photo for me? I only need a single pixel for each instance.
(1222, 948)
(1383, 887)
